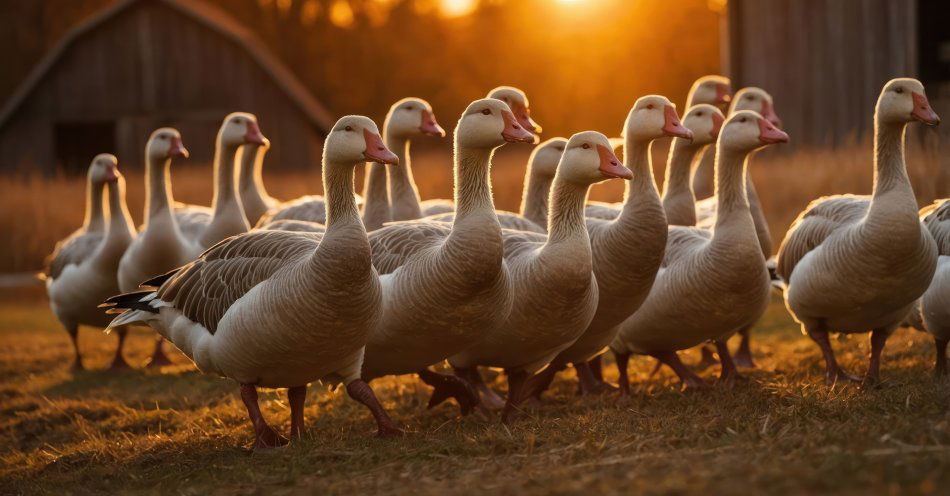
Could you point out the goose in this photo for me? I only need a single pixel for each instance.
(932, 311)
(517, 101)
(706, 271)
(253, 195)
(294, 225)
(160, 245)
(554, 293)
(446, 285)
(227, 215)
(277, 309)
(542, 165)
(626, 251)
(81, 271)
(858, 263)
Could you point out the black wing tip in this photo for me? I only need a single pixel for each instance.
(128, 301)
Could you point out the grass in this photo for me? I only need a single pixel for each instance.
(179, 431)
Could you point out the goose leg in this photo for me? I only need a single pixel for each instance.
(689, 379)
(265, 437)
(118, 362)
(878, 340)
(623, 360)
(588, 383)
(542, 380)
(489, 398)
(516, 387)
(743, 356)
(74, 337)
(450, 386)
(940, 366)
(833, 371)
(707, 358)
(159, 358)
(596, 366)
(360, 391)
(296, 396)
(729, 374)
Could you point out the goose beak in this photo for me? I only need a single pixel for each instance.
(376, 151)
(610, 165)
(723, 94)
(769, 134)
(923, 112)
(524, 118)
(514, 132)
(429, 126)
(112, 174)
(672, 125)
(717, 125)
(769, 113)
(177, 149)
(253, 133)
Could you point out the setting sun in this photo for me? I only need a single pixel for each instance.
(457, 8)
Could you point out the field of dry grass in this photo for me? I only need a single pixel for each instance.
(179, 431)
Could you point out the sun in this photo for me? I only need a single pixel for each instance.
(457, 8)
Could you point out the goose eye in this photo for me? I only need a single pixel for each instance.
(239, 121)
(699, 114)
(899, 89)
(742, 119)
(486, 112)
(650, 106)
(585, 146)
(749, 97)
(559, 148)
(348, 128)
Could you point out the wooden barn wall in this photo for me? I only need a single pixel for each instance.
(151, 66)
(824, 61)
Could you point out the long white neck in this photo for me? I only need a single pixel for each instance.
(93, 220)
(473, 194)
(339, 196)
(893, 193)
(402, 188)
(534, 199)
(376, 209)
(641, 190)
(730, 193)
(121, 228)
(251, 176)
(566, 217)
(679, 202)
(158, 197)
(224, 198)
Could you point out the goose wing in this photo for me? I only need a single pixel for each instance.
(819, 220)
(192, 219)
(682, 240)
(294, 225)
(508, 220)
(936, 218)
(396, 242)
(517, 241)
(77, 247)
(310, 208)
(600, 210)
(205, 289)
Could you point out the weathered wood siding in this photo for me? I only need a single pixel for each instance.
(152, 66)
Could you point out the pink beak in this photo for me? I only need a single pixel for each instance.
(610, 165)
(769, 113)
(376, 151)
(524, 118)
(111, 174)
(429, 126)
(672, 125)
(253, 134)
(717, 125)
(923, 112)
(514, 132)
(769, 134)
(177, 149)
(723, 95)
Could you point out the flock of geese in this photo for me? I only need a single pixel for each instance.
(281, 294)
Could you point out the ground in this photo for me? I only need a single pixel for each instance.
(179, 431)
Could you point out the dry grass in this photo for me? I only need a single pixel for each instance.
(786, 184)
(178, 431)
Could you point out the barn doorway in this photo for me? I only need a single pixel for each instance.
(934, 46)
(78, 142)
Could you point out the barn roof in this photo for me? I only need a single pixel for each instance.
(208, 15)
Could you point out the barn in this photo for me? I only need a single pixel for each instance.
(142, 64)
(825, 61)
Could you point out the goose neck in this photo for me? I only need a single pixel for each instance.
(640, 191)
(566, 216)
(120, 221)
(251, 175)
(339, 196)
(731, 196)
(892, 192)
(473, 194)
(94, 218)
(376, 209)
(224, 197)
(679, 202)
(158, 198)
(402, 187)
(534, 200)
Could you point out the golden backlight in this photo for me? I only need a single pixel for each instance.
(456, 8)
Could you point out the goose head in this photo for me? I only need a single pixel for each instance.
(355, 139)
(705, 121)
(488, 123)
(518, 102)
(104, 169)
(714, 90)
(653, 117)
(757, 99)
(545, 157)
(747, 130)
(240, 128)
(411, 117)
(165, 144)
(588, 159)
(903, 100)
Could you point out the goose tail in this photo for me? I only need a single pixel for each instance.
(137, 306)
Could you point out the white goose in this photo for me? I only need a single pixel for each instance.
(933, 309)
(81, 271)
(517, 101)
(554, 290)
(858, 263)
(704, 272)
(278, 309)
(445, 285)
(253, 194)
(227, 215)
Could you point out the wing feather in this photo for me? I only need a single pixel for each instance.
(936, 218)
(396, 242)
(819, 220)
(77, 247)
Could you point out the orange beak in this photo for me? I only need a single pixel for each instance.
(723, 94)
(769, 134)
(672, 125)
(769, 113)
(376, 151)
(524, 118)
(253, 134)
(177, 149)
(514, 132)
(923, 112)
(717, 125)
(610, 165)
(429, 126)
